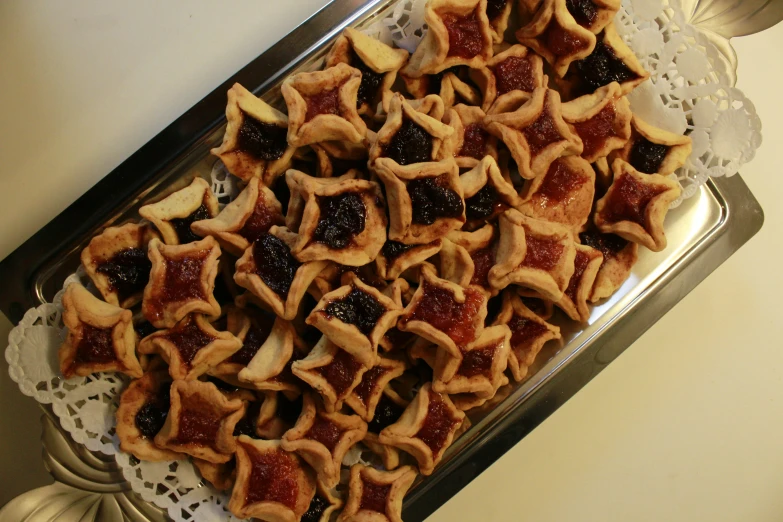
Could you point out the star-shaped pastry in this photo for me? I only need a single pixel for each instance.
(191, 347)
(554, 34)
(395, 257)
(330, 371)
(322, 439)
(481, 246)
(635, 206)
(651, 150)
(200, 422)
(425, 200)
(458, 34)
(516, 70)
(388, 411)
(273, 275)
(269, 368)
(529, 333)
(144, 406)
(277, 415)
(254, 211)
(564, 194)
(116, 261)
(364, 397)
(322, 106)
(181, 282)
(271, 483)
(426, 428)
(174, 214)
(602, 120)
(620, 255)
(574, 301)
(376, 495)
(470, 142)
(400, 292)
(445, 313)
(377, 62)
(255, 143)
(487, 192)
(342, 221)
(100, 336)
(532, 128)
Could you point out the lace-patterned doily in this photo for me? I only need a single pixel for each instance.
(690, 91)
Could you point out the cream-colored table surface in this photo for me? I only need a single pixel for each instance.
(685, 426)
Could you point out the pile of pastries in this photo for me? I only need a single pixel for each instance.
(405, 231)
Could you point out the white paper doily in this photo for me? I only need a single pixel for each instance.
(690, 91)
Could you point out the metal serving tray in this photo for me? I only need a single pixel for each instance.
(707, 228)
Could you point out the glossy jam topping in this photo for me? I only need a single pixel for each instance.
(647, 156)
(357, 308)
(439, 309)
(96, 346)
(595, 131)
(263, 141)
(474, 142)
(465, 39)
(198, 426)
(601, 68)
(288, 411)
(584, 12)
(260, 221)
(324, 431)
(128, 271)
(255, 337)
(560, 182)
(561, 42)
(580, 265)
(273, 477)
(326, 102)
(387, 412)
(483, 261)
(342, 217)
(152, 415)
(316, 510)
(484, 204)
(182, 225)
(477, 362)
(514, 73)
(495, 8)
(341, 372)
(438, 424)
(189, 339)
(410, 144)
(393, 249)
(371, 81)
(629, 200)
(432, 199)
(275, 264)
(247, 424)
(541, 133)
(369, 382)
(374, 496)
(524, 331)
(543, 254)
(609, 244)
(183, 278)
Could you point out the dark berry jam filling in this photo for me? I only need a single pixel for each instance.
(483, 204)
(152, 415)
(371, 82)
(584, 12)
(410, 144)
(647, 156)
(341, 218)
(189, 339)
(263, 141)
(275, 264)
(357, 308)
(387, 412)
(182, 225)
(128, 271)
(432, 199)
(393, 249)
(601, 68)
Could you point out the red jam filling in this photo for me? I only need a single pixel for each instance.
(439, 309)
(183, 278)
(324, 431)
(543, 254)
(524, 331)
(561, 42)
(326, 102)
(273, 477)
(541, 133)
(263, 141)
(199, 426)
(341, 372)
(254, 338)
(369, 382)
(483, 261)
(560, 182)
(477, 362)
(474, 142)
(514, 73)
(629, 200)
(128, 271)
(275, 264)
(189, 339)
(465, 39)
(260, 221)
(580, 265)
(595, 131)
(374, 496)
(96, 346)
(438, 424)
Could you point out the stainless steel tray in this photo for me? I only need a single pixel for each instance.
(702, 233)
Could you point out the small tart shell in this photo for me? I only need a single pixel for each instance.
(377, 379)
(574, 300)
(680, 147)
(459, 118)
(179, 205)
(414, 256)
(486, 78)
(614, 271)
(264, 370)
(398, 482)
